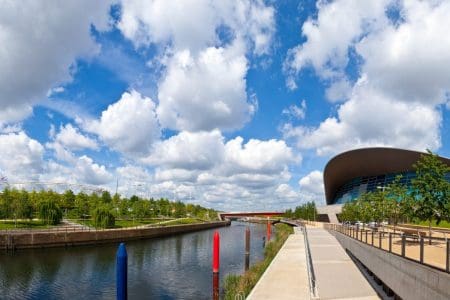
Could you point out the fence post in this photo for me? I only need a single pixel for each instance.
(390, 242)
(121, 275)
(421, 250)
(373, 233)
(247, 248)
(379, 239)
(447, 259)
(403, 244)
(366, 236)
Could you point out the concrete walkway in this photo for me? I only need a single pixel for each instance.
(337, 276)
(286, 277)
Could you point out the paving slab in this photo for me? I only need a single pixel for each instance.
(337, 276)
(286, 277)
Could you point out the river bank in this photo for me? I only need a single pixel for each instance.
(30, 239)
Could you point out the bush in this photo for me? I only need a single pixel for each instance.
(49, 212)
(103, 218)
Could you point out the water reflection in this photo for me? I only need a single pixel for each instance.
(177, 267)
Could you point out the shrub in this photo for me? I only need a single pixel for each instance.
(103, 218)
(49, 212)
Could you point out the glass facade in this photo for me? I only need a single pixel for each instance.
(357, 186)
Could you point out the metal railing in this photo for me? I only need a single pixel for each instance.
(309, 266)
(427, 250)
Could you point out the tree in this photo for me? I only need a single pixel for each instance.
(49, 212)
(106, 197)
(430, 189)
(82, 204)
(68, 200)
(103, 217)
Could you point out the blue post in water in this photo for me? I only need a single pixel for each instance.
(121, 272)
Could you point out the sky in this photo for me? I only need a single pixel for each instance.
(233, 105)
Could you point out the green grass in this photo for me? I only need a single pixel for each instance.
(34, 224)
(243, 284)
(442, 224)
(184, 221)
(126, 223)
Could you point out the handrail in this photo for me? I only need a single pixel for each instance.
(361, 235)
(309, 265)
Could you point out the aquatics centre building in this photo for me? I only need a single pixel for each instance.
(352, 173)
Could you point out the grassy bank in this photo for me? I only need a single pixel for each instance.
(442, 224)
(243, 284)
(22, 224)
(125, 223)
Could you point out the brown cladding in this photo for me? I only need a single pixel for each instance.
(367, 162)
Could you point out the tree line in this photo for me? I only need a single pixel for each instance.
(102, 208)
(305, 211)
(427, 199)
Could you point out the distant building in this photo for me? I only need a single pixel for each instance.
(352, 173)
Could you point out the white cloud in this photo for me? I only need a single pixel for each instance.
(256, 156)
(312, 188)
(205, 92)
(296, 112)
(369, 118)
(194, 25)
(91, 173)
(329, 37)
(129, 125)
(411, 61)
(205, 43)
(187, 150)
(40, 44)
(71, 138)
(339, 90)
(21, 158)
(403, 74)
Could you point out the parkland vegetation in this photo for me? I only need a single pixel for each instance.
(425, 200)
(100, 210)
(239, 286)
(307, 211)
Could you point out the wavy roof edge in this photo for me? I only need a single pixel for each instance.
(367, 162)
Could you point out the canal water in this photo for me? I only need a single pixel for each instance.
(176, 267)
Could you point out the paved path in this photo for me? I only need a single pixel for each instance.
(337, 276)
(286, 277)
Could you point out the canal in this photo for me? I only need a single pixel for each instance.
(176, 267)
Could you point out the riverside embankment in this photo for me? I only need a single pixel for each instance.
(66, 238)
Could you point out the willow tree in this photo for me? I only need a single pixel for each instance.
(430, 189)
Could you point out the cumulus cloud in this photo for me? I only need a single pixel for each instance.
(370, 118)
(128, 125)
(403, 74)
(205, 46)
(194, 24)
(312, 188)
(87, 171)
(21, 157)
(187, 150)
(332, 33)
(71, 138)
(41, 49)
(220, 172)
(206, 91)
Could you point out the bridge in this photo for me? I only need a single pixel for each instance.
(225, 215)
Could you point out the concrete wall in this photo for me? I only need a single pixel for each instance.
(408, 279)
(61, 238)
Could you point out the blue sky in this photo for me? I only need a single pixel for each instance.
(233, 105)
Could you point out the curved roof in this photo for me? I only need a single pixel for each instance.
(367, 162)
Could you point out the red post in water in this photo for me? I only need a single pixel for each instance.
(215, 265)
(268, 229)
(216, 247)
